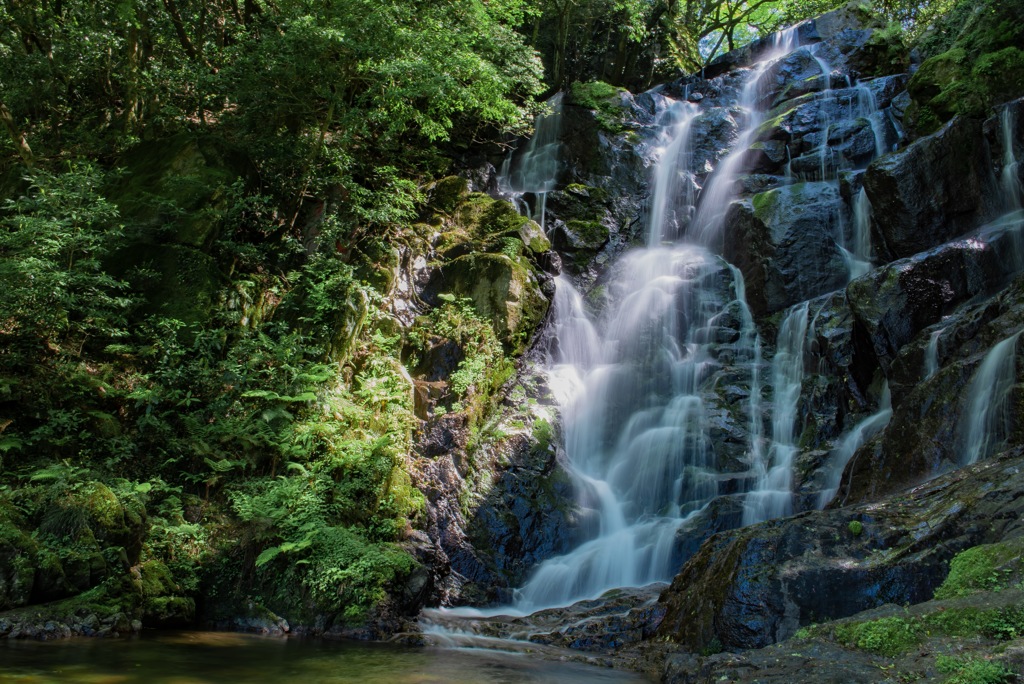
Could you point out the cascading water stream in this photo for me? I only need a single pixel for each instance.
(634, 422)
(536, 169)
(1009, 178)
(988, 419)
(859, 258)
(706, 227)
(848, 445)
(772, 497)
(931, 354)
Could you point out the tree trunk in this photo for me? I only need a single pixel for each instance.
(17, 137)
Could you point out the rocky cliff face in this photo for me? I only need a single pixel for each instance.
(905, 250)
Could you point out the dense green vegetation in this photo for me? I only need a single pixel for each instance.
(203, 387)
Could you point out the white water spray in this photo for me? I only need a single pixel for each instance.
(536, 169)
(988, 419)
(849, 443)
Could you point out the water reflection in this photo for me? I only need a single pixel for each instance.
(214, 657)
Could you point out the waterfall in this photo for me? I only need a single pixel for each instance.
(850, 442)
(706, 227)
(630, 385)
(867, 107)
(673, 192)
(1009, 179)
(931, 354)
(535, 171)
(988, 402)
(773, 494)
(859, 258)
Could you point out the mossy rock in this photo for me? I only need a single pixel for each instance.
(504, 290)
(587, 234)
(163, 604)
(533, 238)
(883, 53)
(989, 567)
(604, 100)
(448, 193)
(982, 68)
(94, 518)
(500, 218)
(18, 558)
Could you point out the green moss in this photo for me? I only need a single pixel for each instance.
(981, 568)
(543, 434)
(447, 193)
(885, 52)
(501, 218)
(981, 68)
(603, 99)
(994, 623)
(856, 528)
(589, 234)
(888, 636)
(971, 670)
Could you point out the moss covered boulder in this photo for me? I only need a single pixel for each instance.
(983, 66)
(504, 289)
(758, 585)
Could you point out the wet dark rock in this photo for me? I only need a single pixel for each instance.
(938, 188)
(895, 302)
(783, 241)
(926, 435)
(757, 585)
(618, 618)
(713, 134)
(887, 88)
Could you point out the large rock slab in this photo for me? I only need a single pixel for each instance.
(928, 431)
(936, 189)
(784, 243)
(895, 302)
(752, 587)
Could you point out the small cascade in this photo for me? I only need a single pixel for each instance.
(987, 415)
(931, 354)
(772, 497)
(1009, 179)
(674, 193)
(823, 149)
(867, 107)
(849, 443)
(535, 171)
(706, 228)
(859, 259)
(750, 339)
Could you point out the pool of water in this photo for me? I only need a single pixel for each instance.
(214, 657)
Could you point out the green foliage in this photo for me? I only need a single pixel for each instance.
(981, 568)
(970, 670)
(888, 636)
(856, 528)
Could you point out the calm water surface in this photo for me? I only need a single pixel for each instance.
(214, 657)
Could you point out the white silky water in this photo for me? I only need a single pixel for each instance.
(849, 443)
(535, 171)
(629, 385)
(987, 420)
(1009, 179)
(773, 495)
